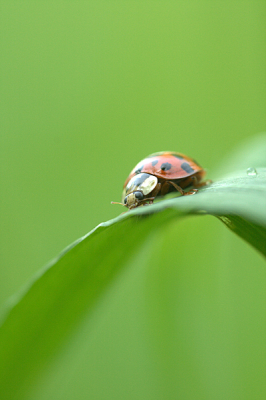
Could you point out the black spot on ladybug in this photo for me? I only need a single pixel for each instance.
(178, 156)
(186, 167)
(138, 171)
(154, 162)
(140, 179)
(166, 166)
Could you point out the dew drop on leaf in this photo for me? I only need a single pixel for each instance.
(252, 171)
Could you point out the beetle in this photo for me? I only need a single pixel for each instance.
(159, 174)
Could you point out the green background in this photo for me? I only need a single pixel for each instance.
(88, 90)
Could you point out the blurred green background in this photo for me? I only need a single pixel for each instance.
(90, 88)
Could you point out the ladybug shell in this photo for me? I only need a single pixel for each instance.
(168, 165)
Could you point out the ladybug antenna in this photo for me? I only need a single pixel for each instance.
(115, 202)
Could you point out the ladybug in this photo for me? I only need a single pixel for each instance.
(159, 174)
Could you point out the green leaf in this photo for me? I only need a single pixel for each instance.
(38, 320)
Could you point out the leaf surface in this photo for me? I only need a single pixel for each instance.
(37, 321)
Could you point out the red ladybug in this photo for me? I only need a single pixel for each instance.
(161, 173)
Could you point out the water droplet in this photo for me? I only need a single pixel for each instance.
(252, 172)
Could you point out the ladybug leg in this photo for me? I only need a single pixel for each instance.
(150, 200)
(180, 190)
(155, 192)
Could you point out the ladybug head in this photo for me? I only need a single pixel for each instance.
(133, 200)
(138, 189)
